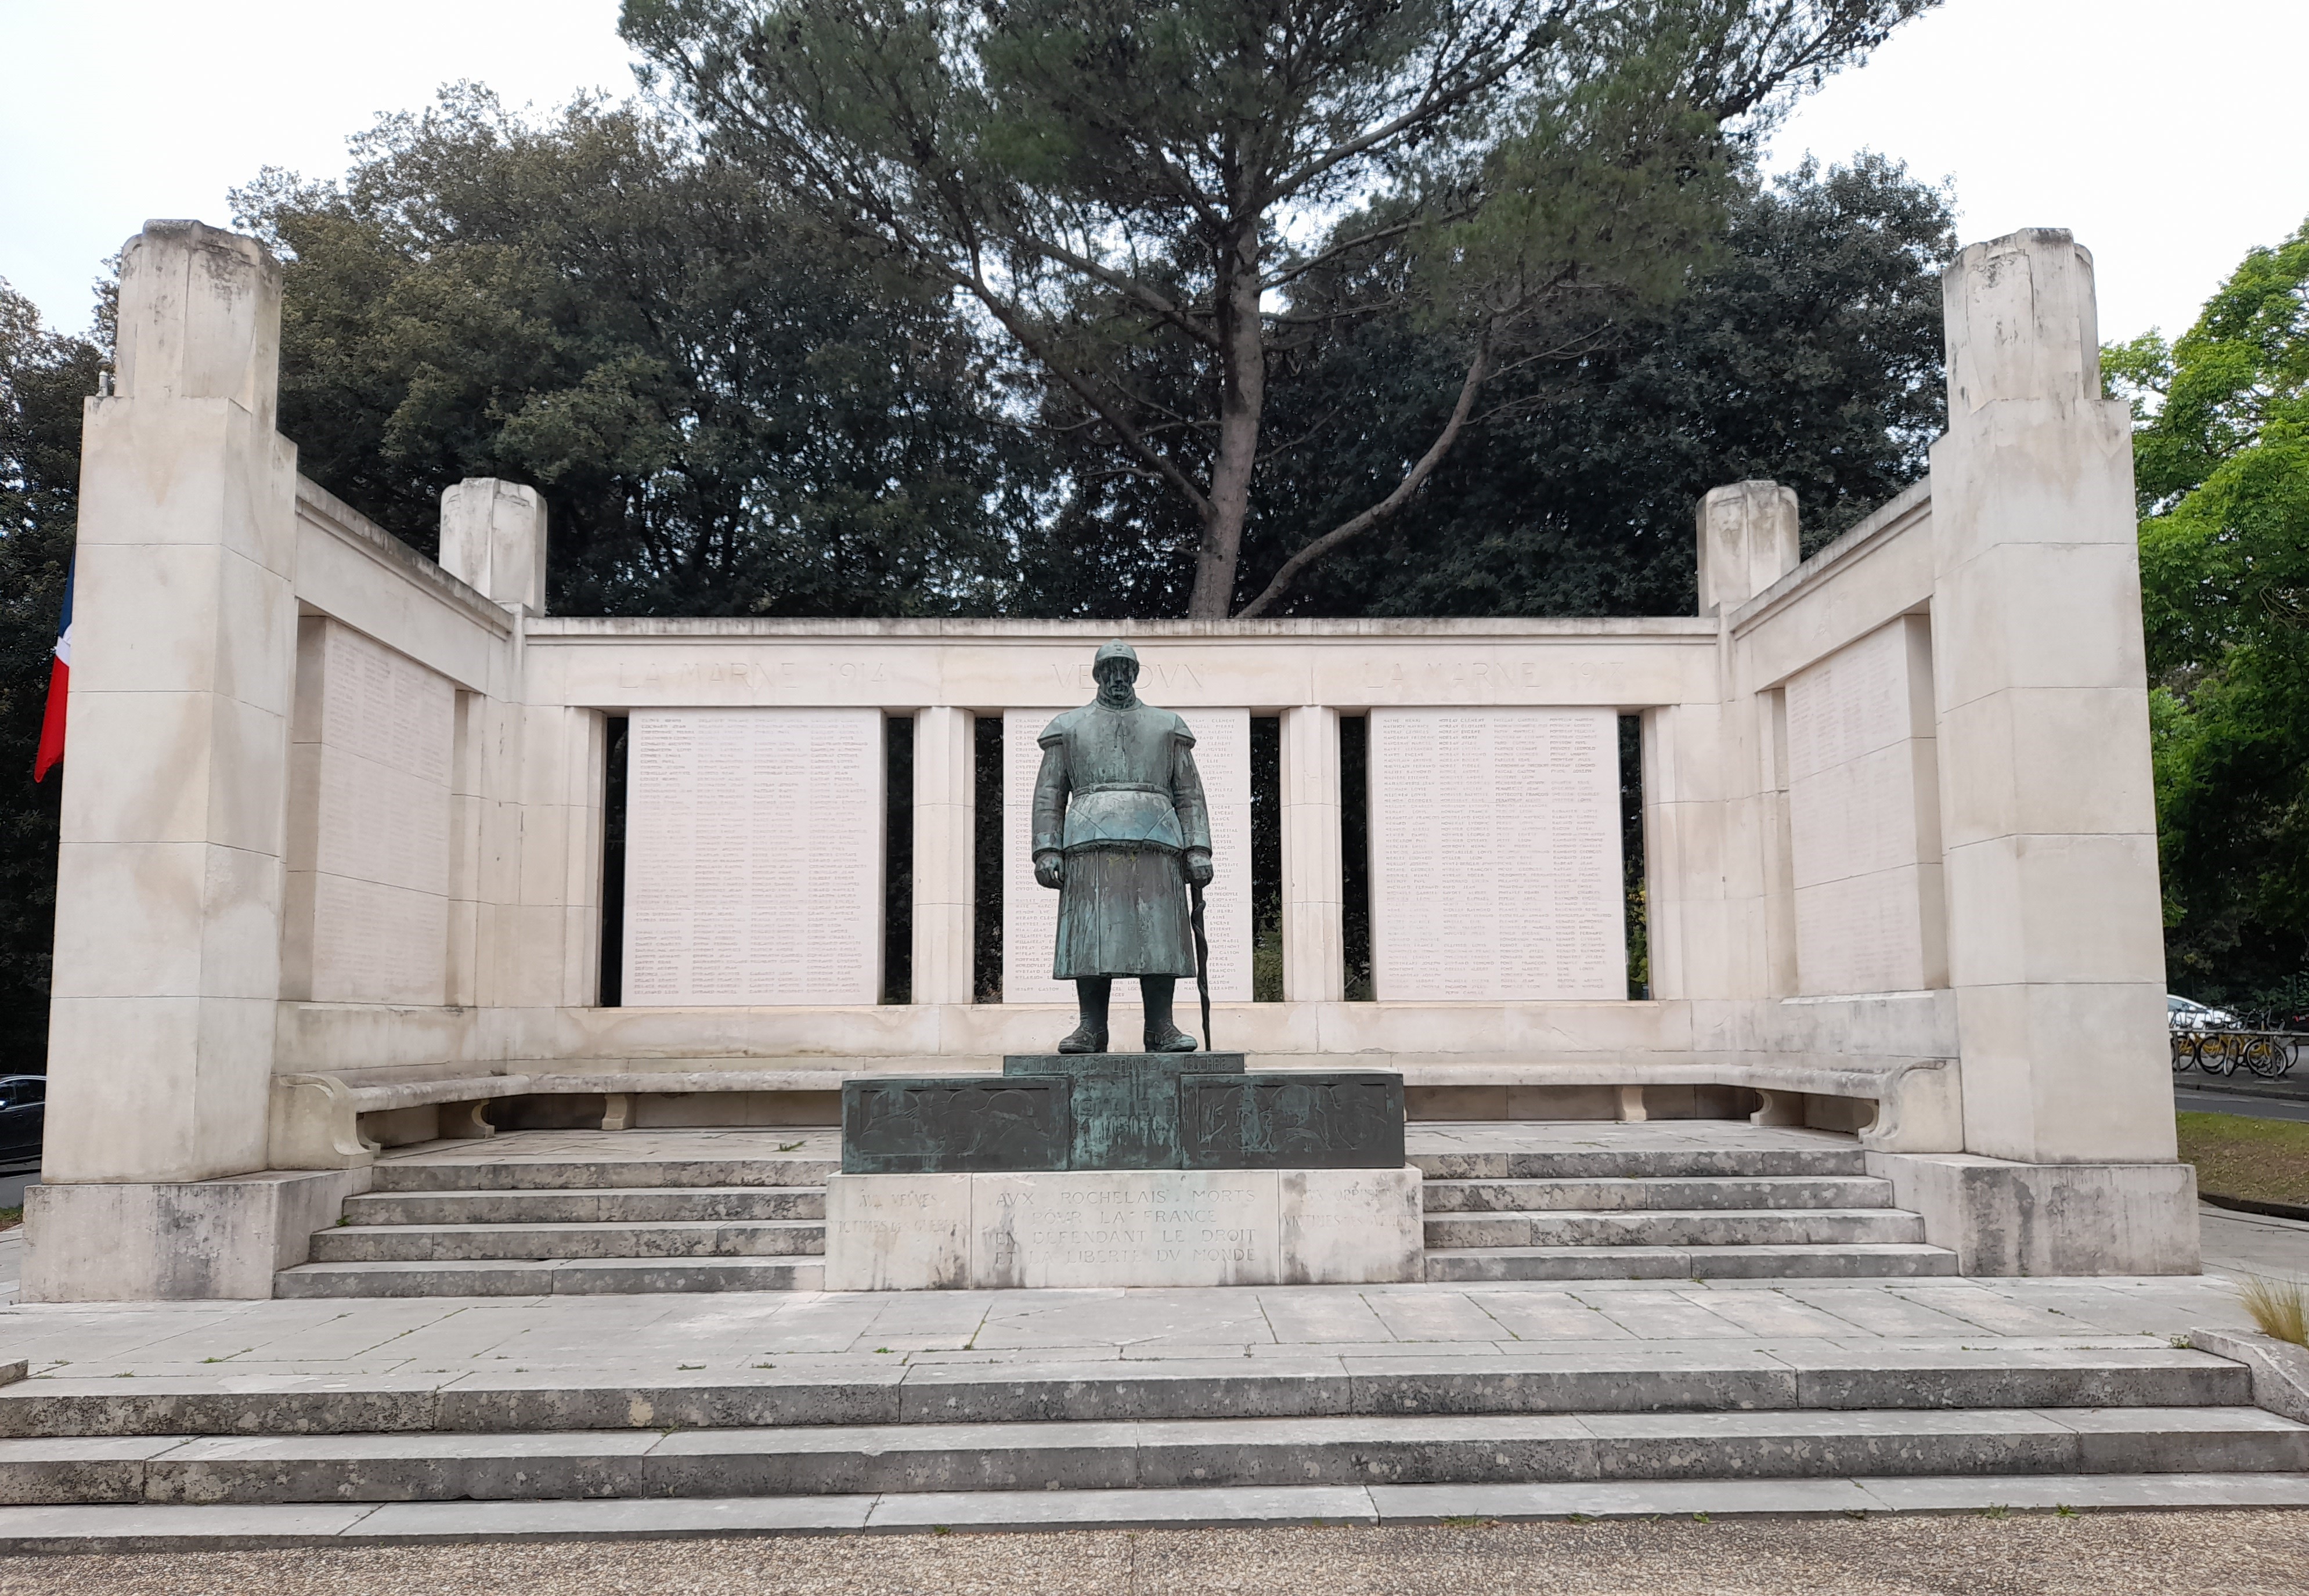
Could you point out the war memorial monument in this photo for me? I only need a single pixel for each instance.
(524, 1075)
(333, 869)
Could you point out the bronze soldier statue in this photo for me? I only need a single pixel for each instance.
(1120, 828)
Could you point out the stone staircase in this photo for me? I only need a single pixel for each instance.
(1793, 1204)
(533, 1226)
(1026, 1443)
(619, 1212)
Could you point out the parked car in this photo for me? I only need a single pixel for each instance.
(2181, 1015)
(23, 1114)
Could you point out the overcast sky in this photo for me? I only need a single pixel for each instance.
(2165, 134)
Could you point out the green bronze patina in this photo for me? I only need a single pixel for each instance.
(1124, 1107)
(1122, 831)
(1120, 828)
(1124, 1111)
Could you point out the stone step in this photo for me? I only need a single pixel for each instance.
(533, 1174)
(1816, 1378)
(1766, 1191)
(709, 1238)
(503, 1276)
(1858, 1260)
(1692, 1227)
(142, 1528)
(1640, 1163)
(1159, 1454)
(633, 1205)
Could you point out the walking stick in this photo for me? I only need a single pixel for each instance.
(1202, 961)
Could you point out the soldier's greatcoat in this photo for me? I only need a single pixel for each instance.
(1118, 796)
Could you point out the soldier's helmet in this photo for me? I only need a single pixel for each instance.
(1110, 653)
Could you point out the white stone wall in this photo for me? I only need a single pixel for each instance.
(1864, 810)
(369, 845)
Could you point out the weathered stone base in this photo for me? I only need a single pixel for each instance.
(133, 1242)
(2005, 1218)
(1122, 1228)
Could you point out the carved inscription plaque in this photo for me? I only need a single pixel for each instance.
(898, 1126)
(1152, 1228)
(1282, 1120)
(1030, 912)
(377, 741)
(754, 857)
(1495, 865)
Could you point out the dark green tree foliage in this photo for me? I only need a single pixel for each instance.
(2221, 460)
(43, 379)
(1810, 352)
(725, 411)
(1156, 201)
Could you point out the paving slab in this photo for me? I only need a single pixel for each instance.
(1125, 1509)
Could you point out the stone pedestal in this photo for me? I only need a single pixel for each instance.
(156, 1241)
(1122, 1111)
(1092, 1228)
(2001, 1218)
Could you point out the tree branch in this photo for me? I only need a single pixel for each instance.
(1345, 246)
(1129, 287)
(1478, 370)
(1131, 439)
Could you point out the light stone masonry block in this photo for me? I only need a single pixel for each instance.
(370, 856)
(946, 837)
(1313, 890)
(493, 539)
(1863, 817)
(1092, 1229)
(1748, 540)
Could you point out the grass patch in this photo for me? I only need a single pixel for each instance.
(2262, 1161)
(9, 1218)
(2280, 1307)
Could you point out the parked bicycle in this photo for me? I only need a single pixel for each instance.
(2221, 1051)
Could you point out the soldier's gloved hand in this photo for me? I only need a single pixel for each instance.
(1051, 868)
(1198, 865)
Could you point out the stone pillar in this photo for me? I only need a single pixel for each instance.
(1747, 542)
(1314, 900)
(2055, 934)
(493, 539)
(945, 857)
(169, 876)
(1706, 892)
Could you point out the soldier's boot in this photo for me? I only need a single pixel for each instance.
(1162, 1035)
(1091, 996)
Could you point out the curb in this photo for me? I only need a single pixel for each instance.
(2280, 1370)
(2253, 1206)
(32, 1530)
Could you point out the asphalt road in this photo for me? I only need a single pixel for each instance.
(2251, 1108)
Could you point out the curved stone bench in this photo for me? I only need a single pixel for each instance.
(1901, 1105)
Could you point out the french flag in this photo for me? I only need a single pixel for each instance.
(52, 724)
